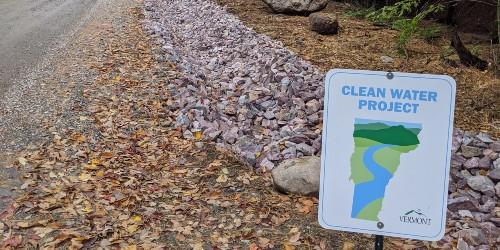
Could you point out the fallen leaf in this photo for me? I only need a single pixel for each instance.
(198, 246)
(13, 241)
(107, 155)
(348, 246)
(22, 161)
(130, 247)
(132, 228)
(99, 173)
(253, 246)
(288, 246)
(23, 224)
(136, 218)
(84, 177)
(263, 242)
(222, 178)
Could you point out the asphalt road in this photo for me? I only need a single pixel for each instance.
(31, 32)
(31, 28)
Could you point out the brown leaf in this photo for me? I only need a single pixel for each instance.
(13, 241)
(253, 246)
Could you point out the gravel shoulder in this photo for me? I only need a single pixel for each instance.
(47, 98)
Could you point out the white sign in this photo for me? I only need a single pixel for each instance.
(386, 153)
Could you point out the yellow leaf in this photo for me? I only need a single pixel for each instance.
(84, 176)
(22, 161)
(222, 178)
(348, 246)
(91, 167)
(137, 218)
(288, 246)
(95, 162)
(131, 247)
(198, 134)
(132, 228)
(87, 209)
(76, 243)
(99, 173)
(180, 171)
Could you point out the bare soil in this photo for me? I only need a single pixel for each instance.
(360, 44)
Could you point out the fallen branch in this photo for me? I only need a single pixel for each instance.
(466, 57)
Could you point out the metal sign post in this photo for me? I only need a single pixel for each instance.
(379, 242)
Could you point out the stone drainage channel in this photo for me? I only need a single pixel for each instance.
(249, 93)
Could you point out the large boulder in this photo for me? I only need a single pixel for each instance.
(298, 176)
(301, 7)
(324, 23)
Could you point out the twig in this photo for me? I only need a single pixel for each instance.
(466, 57)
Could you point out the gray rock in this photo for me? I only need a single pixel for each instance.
(301, 7)
(305, 149)
(465, 174)
(494, 174)
(456, 142)
(457, 160)
(298, 176)
(488, 206)
(463, 203)
(387, 59)
(473, 236)
(324, 23)
(484, 138)
(462, 245)
(497, 189)
(472, 163)
(188, 135)
(465, 213)
(495, 221)
(469, 151)
(312, 106)
(490, 229)
(496, 163)
(267, 164)
(481, 217)
(482, 184)
(230, 135)
(484, 163)
(495, 146)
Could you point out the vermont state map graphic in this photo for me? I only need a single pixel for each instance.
(378, 146)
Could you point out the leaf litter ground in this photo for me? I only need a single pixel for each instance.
(131, 182)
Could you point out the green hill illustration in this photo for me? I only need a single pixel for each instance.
(395, 135)
(376, 158)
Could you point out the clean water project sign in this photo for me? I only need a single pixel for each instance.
(386, 153)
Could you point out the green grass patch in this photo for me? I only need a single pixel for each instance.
(370, 211)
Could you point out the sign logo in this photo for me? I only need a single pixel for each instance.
(415, 217)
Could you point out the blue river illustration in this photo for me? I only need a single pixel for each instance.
(367, 192)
